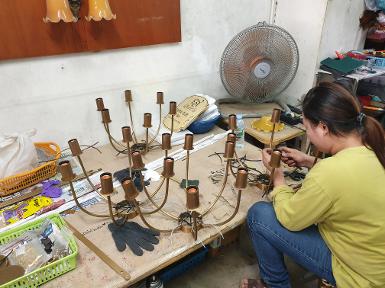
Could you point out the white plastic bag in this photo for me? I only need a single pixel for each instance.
(17, 153)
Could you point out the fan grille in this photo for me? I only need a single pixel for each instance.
(262, 41)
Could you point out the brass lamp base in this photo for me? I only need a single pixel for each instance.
(126, 209)
(190, 222)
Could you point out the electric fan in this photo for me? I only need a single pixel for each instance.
(259, 63)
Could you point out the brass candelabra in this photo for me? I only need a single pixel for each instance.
(145, 145)
(190, 220)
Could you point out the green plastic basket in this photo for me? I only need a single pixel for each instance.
(48, 272)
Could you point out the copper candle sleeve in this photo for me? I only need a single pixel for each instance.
(130, 191)
(166, 141)
(232, 137)
(229, 150)
(168, 167)
(159, 98)
(276, 115)
(106, 116)
(147, 120)
(275, 161)
(106, 183)
(74, 147)
(66, 171)
(137, 162)
(192, 197)
(241, 180)
(128, 96)
(172, 108)
(232, 122)
(99, 104)
(188, 142)
(127, 134)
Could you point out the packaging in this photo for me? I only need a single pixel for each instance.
(17, 153)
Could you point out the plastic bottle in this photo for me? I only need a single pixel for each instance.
(240, 132)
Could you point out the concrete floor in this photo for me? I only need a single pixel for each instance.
(234, 262)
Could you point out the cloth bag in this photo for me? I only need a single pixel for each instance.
(17, 153)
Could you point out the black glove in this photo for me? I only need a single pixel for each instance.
(134, 236)
(123, 174)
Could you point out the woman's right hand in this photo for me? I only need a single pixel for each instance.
(296, 158)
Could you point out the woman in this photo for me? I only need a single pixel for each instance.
(334, 225)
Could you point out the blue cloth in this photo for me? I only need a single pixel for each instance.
(271, 241)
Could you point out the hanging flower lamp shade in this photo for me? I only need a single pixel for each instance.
(58, 10)
(98, 10)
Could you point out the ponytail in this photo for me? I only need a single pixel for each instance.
(373, 137)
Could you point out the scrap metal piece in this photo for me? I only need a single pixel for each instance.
(104, 257)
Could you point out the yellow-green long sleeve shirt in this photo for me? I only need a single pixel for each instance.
(345, 196)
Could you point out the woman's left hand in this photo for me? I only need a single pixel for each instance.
(266, 157)
(279, 178)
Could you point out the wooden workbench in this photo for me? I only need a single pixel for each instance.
(288, 132)
(93, 272)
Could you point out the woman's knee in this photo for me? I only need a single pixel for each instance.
(262, 213)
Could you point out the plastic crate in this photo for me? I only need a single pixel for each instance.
(14, 183)
(48, 272)
(183, 265)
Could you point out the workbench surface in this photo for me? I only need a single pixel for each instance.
(91, 271)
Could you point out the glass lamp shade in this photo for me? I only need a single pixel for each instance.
(98, 10)
(59, 10)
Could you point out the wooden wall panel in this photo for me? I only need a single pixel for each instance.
(139, 22)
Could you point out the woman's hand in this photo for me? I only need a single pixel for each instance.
(279, 178)
(266, 157)
(294, 157)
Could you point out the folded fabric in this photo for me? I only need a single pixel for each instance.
(345, 65)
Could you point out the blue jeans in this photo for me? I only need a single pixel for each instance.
(271, 241)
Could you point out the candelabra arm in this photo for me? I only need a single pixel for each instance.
(172, 124)
(272, 137)
(222, 188)
(155, 192)
(194, 229)
(158, 129)
(153, 202)
(235, 210)
(111, 139)
(237, 159)
(232, 171)
(164, 200)
(80, 206)
(129, 159)
(145, 221)
(187, 167)
(132, 123)
(88, 178)
(147, 144)
(107, 129)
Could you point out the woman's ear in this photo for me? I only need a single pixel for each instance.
(324, 128)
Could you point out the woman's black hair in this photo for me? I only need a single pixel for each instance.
(336, 107)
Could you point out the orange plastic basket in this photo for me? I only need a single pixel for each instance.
(12, 184)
